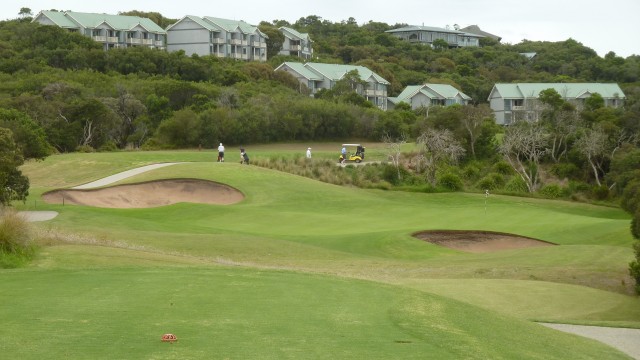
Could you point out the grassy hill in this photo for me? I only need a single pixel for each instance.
(305, 269)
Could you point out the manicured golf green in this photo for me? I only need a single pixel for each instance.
(303, 269)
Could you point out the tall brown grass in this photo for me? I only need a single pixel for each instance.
(16, 247)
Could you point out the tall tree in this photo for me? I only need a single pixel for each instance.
(127, 108)
(523, 146)
(275, 38)
(13, 185)
(472, 119)
(437, 147)
(25, 13)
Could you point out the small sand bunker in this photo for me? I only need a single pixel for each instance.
(149, 194)
(478, 241)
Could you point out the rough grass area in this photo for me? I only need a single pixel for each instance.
(16, 248)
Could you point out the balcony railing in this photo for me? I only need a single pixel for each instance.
(113, 39)
(147, 41)
(159, 43)
(99, 38)
(259, 44)
(240, 56)
(375, 92)
(516, 108)
(217, 41)
(295, 47)
(134, 41)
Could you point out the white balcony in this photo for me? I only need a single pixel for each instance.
(134, 41)
(99, 38)
(235, 42)
(217, 41)
(295, 47)
(113, 39)
(159, 43)
(259, 44)
(147, 41)
(517, 108)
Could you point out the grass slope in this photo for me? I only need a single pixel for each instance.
(299, 225)
(238, 313)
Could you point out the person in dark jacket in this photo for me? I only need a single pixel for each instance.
(244, 158)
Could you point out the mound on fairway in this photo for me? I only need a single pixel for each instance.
(149, 194)
(478, 241)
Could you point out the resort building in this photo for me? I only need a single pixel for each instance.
(516, 102)
(296, 44)
(423, 96)
(217, 37)
(113, 31)
(428, 34)
(317, 76)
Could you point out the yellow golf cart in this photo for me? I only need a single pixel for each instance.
(355, 153)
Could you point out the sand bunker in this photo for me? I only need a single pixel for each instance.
(478, 241)
(149, 194)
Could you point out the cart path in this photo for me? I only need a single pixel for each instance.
(122, 175)
(623, 339)
(33, 216)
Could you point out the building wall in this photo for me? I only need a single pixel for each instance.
(497, 105)
(189, 36)
(420, 100)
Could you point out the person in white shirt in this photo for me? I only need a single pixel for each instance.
(221, 153)
(308, 153)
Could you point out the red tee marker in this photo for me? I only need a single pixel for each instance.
(169, 338)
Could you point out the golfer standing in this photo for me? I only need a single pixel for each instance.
(221, 153)
(308, 153)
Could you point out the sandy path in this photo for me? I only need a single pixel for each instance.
(625, 340)
(121, 176)
(32, 216)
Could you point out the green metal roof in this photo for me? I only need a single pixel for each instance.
(197, 20)
(58, 18)
(423, 28)
(432, 29)
(233, 25)
(566, 90)
(301, 69)
(295, 33)
(71, 19)
(337, 71)
(433, 91)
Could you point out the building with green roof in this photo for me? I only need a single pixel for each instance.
(224, 38)
(423, 96)
(515, 102)
(317, 76)
(296, 43)
(429, 34)
(113, 31)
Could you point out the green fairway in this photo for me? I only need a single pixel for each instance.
(304, 269)
(236, 313)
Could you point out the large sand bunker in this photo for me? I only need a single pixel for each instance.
(478, 241)
(149, 194)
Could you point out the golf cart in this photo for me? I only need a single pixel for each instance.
(356, 156)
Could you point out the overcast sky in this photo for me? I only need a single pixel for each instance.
(598, 24)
